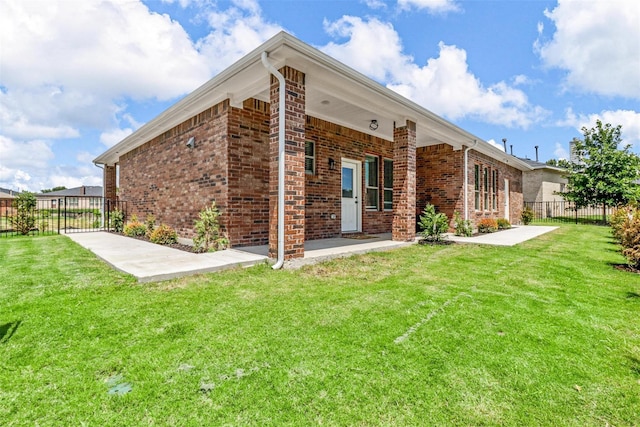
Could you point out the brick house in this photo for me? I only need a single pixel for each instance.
(358, 157)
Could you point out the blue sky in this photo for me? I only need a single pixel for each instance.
(77, 76)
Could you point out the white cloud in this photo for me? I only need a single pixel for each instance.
(373, 47)
(235, 32)
(498, 145)
(444, 85)
(375, 4)
(560, 152)
(432, 6)
(69, 67)
(113, 136)
(20, 163)
(628, 119)
(598, 44)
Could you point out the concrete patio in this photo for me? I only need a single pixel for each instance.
(149, 262)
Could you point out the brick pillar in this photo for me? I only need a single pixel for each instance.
(404, 183)
(109, 179)
(295, 120)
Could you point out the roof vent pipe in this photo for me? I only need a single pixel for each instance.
(466, 179)
(281, 119)
(536, 153)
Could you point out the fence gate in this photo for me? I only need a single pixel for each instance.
(86, 213)
(55, 215)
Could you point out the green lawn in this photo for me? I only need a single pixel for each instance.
(545, 333)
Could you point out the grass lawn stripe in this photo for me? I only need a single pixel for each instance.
(549, 337)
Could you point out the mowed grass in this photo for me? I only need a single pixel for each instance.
(544, 333)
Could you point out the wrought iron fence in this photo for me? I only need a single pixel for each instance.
(564, 211)
(56, 215)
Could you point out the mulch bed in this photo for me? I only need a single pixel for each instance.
(626, 267)
(179, 246)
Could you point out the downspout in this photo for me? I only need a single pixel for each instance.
(281, 119)
(466, 179)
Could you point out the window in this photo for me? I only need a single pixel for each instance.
(72, 201)
(371, 181)
(310, 157)
(494, 189)
(388, 185)
(476, 176)
(485, 188)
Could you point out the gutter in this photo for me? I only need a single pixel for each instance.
(281, 119)
(466, 179)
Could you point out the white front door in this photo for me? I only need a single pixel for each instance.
(351, 197)
(506, 199)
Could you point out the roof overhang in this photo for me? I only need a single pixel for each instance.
(334, 92)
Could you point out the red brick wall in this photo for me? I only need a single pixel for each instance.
(294, 180)
(173, 182)
(110, 186)
(247, 215)
(440, 177)
(323, 189)
(404, 182)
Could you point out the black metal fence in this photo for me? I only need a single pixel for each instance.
(563, 211)
(56, 215)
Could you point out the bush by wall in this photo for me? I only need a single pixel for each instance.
(135, 228)
(487, 225)
(164, 235)
(503, 224)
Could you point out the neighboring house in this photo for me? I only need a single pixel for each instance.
(358, 157)
(543, 183)
(85, 197)
(6, 201)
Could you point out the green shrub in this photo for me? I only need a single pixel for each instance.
(164, 235)
(135, 228)
(462, 227)
(24, 220)
(207, 228)
(503, 224)
(117, 220)
(625, 224)
(150, 222)
(527, 215)
(487, 225)
(619, 218)
(433, 224)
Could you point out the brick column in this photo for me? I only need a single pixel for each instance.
(295, 120)
(404, 183)
(109, 179)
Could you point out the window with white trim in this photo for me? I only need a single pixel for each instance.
(476, 186)
(372, 198)
(310, 157)
(388, 185)
(485, 187)
(494, 189)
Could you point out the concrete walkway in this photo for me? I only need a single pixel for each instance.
(510, 237)
(149, 262)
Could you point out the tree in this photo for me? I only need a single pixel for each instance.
(50, 190)
(602, 174)
(559, 163)
(24, 220)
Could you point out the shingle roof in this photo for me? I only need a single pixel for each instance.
(85, 190)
